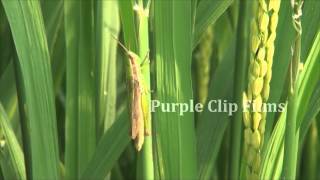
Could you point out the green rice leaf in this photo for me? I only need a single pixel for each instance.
(309, 88)
(206, 14)
(54, 24)
(28, 31)
(53, 20)
(8, 94)
(108, 25)
(271, 165)
(174, 136)
(6, 43)
(128, 24)
(110, 147)
(311, 113)
(308, 109)
(11, 156)
(282, 55)
(80, 97)
(211, 128)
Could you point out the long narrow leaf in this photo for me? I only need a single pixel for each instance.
(27, 27)
(282, 53)
(311, 77)
(108, 25)
(174, 136)
(206, 14)
(313, 110)
(110, 147)
(273, 157)
(212, 125)
(11, 156)
(80, 105)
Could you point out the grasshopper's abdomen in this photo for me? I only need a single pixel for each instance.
(137, 129)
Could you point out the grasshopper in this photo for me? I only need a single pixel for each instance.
(139, 104)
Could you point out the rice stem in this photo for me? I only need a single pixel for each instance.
(291, 133)
(239, 76)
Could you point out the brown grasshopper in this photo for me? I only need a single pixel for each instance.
(138, 101)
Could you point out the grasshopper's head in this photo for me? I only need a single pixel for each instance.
(133, 55)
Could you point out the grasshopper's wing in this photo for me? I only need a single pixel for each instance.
(129, 86)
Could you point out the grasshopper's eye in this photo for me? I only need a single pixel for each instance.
(132, 55)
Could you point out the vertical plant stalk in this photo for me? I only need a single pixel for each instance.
(239, 76)
(140, 43)
(146, 158)
(259, 75)
(291, 133)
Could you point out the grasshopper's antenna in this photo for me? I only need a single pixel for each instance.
(120, 43)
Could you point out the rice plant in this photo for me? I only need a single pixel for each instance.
(151, 89)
